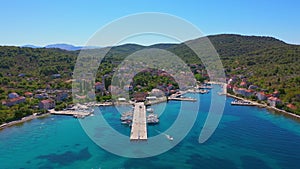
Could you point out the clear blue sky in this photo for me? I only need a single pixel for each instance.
(42, 22)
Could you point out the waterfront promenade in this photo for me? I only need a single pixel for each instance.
(139, 123)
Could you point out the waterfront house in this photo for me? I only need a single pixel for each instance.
(14, 101)
(243, 91)
(47, 104)
(273, 101)
(140, 97)
(240, 91)
(261, 96)
(13, 95)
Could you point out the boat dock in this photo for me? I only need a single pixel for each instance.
(182, 99)
(139, 123)
(242, 103)
(70, 113)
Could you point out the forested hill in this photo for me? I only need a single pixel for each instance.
(32, 62)
(236, 45)
(262, 53)
(266, 61)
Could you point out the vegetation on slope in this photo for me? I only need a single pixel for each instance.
(266, 62)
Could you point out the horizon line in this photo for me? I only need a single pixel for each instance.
(144, 44)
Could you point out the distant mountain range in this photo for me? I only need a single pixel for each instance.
(63, 46)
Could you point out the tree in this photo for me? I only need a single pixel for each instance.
(199, 78)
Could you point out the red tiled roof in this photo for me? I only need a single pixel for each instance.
(28, 93)
(269, 95)
(243, 83)
(16, 99)
(273, 98)
(46, 101)
(291, 106)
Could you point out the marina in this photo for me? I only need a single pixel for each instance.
(77, 111)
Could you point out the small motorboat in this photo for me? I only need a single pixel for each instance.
(169, 137)
(127, 122)
(150, 110)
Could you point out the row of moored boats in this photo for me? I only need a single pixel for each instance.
(127, 117)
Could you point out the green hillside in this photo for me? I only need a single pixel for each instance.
(267, 62)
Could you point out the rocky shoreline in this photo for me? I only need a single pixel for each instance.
(23, 120)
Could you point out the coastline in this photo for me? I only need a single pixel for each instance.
(283, 112)
(23, 120)
(274, 109)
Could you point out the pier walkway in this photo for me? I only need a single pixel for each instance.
(139, 123)
(69, 113)
(183, 99)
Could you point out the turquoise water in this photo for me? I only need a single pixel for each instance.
(247, 137)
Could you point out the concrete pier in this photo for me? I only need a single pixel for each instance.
(183, 99)
(70, 113)
(139, 123)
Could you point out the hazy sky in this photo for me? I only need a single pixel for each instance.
(42, 22)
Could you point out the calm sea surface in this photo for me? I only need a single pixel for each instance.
(247, 137)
